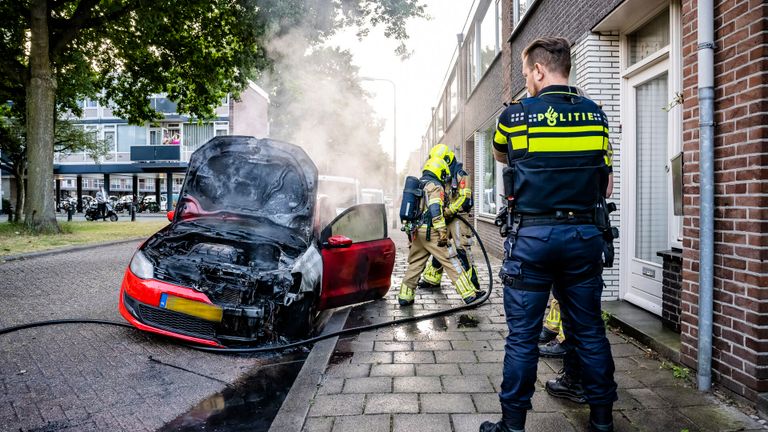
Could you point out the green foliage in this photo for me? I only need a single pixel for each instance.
(196, 51)
(607, 316)
(679, 372)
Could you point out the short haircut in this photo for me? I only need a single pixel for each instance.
(554, 53)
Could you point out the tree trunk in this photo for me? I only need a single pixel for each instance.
(39, 212)
(20, 195)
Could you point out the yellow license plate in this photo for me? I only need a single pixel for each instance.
(198, 309)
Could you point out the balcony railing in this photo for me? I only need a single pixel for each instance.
(154, 153)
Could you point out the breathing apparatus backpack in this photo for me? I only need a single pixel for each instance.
(410, 207)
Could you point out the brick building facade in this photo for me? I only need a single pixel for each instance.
(637, 58)
(740, 331)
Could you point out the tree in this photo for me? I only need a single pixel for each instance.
(68, 138)
(54, 52)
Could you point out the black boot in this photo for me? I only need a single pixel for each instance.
(553, 349)
(511, 421)
(497, 427)
(567, 388)
(601, 418)
(546, 335)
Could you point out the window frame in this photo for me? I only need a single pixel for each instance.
(480, 169)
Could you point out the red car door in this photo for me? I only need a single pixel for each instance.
(358, 257)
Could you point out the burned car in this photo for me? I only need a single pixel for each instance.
(252, 253)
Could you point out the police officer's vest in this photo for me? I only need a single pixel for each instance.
(563, 168)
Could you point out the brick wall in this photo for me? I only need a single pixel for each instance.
(596, 60)
(740, 345)
(671, 289)
(569, 19)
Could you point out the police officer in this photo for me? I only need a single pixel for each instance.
(431, 238)
(459, 198)
(556, 143)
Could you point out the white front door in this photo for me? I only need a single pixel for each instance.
(647, 188)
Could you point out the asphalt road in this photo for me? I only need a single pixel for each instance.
(89, 377)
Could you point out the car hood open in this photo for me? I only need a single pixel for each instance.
(248, 178)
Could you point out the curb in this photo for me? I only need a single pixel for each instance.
(290, 417)
(65, 249)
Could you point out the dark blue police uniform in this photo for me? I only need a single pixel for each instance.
(557, 143)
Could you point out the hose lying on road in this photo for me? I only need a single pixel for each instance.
(312, 340)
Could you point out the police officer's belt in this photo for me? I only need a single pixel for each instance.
(557, 218)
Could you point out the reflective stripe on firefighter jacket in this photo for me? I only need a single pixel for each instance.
(558, 144)
(434, 195)
(460, 199)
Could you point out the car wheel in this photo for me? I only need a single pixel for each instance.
(113, 217)
(298, 319)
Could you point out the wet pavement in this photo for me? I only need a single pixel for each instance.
(101, 378)
(443, 374)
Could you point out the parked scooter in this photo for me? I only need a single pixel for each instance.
(93, 212)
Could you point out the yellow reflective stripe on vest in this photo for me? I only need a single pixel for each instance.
(567, 129)
(512, 129)
(500, 138)
(435, 201)
(565, 144)
(519, 142)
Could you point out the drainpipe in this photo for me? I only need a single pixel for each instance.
(706, 50)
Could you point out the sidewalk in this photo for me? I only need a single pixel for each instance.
(444, 375)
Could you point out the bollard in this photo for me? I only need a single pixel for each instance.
(70, 212)
(133, 212)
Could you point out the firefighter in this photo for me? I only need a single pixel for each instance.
(556, 146)
(552, 343)
(428, 234)
(459, 197)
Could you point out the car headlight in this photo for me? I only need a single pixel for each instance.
(141, 266)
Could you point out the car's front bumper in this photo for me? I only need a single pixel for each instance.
(140, 306)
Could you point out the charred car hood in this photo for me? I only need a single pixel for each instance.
(248, 178)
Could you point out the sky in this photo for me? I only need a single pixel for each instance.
(418, 79)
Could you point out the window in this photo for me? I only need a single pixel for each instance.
(486, 168)
(128, 136)
(222, 128)
(91, 103)
(164, 105)
(361, 223)
(439, 126)
(196, 135)
(519, 9)
(649, 39)
(453, 98)
(651, 229)
(489, 38)
(471, 62)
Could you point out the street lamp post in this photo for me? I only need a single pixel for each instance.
(394, 142)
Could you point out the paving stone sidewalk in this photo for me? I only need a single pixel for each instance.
(444, 375)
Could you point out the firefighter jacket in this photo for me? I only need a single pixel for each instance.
(460, 198)
(434, 196)
(557, 143)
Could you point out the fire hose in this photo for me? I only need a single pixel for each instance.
(312, 340)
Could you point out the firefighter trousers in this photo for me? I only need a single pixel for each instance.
(419, 253)
(462, 239)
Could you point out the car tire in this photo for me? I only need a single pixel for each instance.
(113, 217)
(298, 319)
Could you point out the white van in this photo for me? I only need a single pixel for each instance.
(340, 192)
(372, 196)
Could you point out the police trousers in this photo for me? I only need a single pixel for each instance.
(568, 260)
